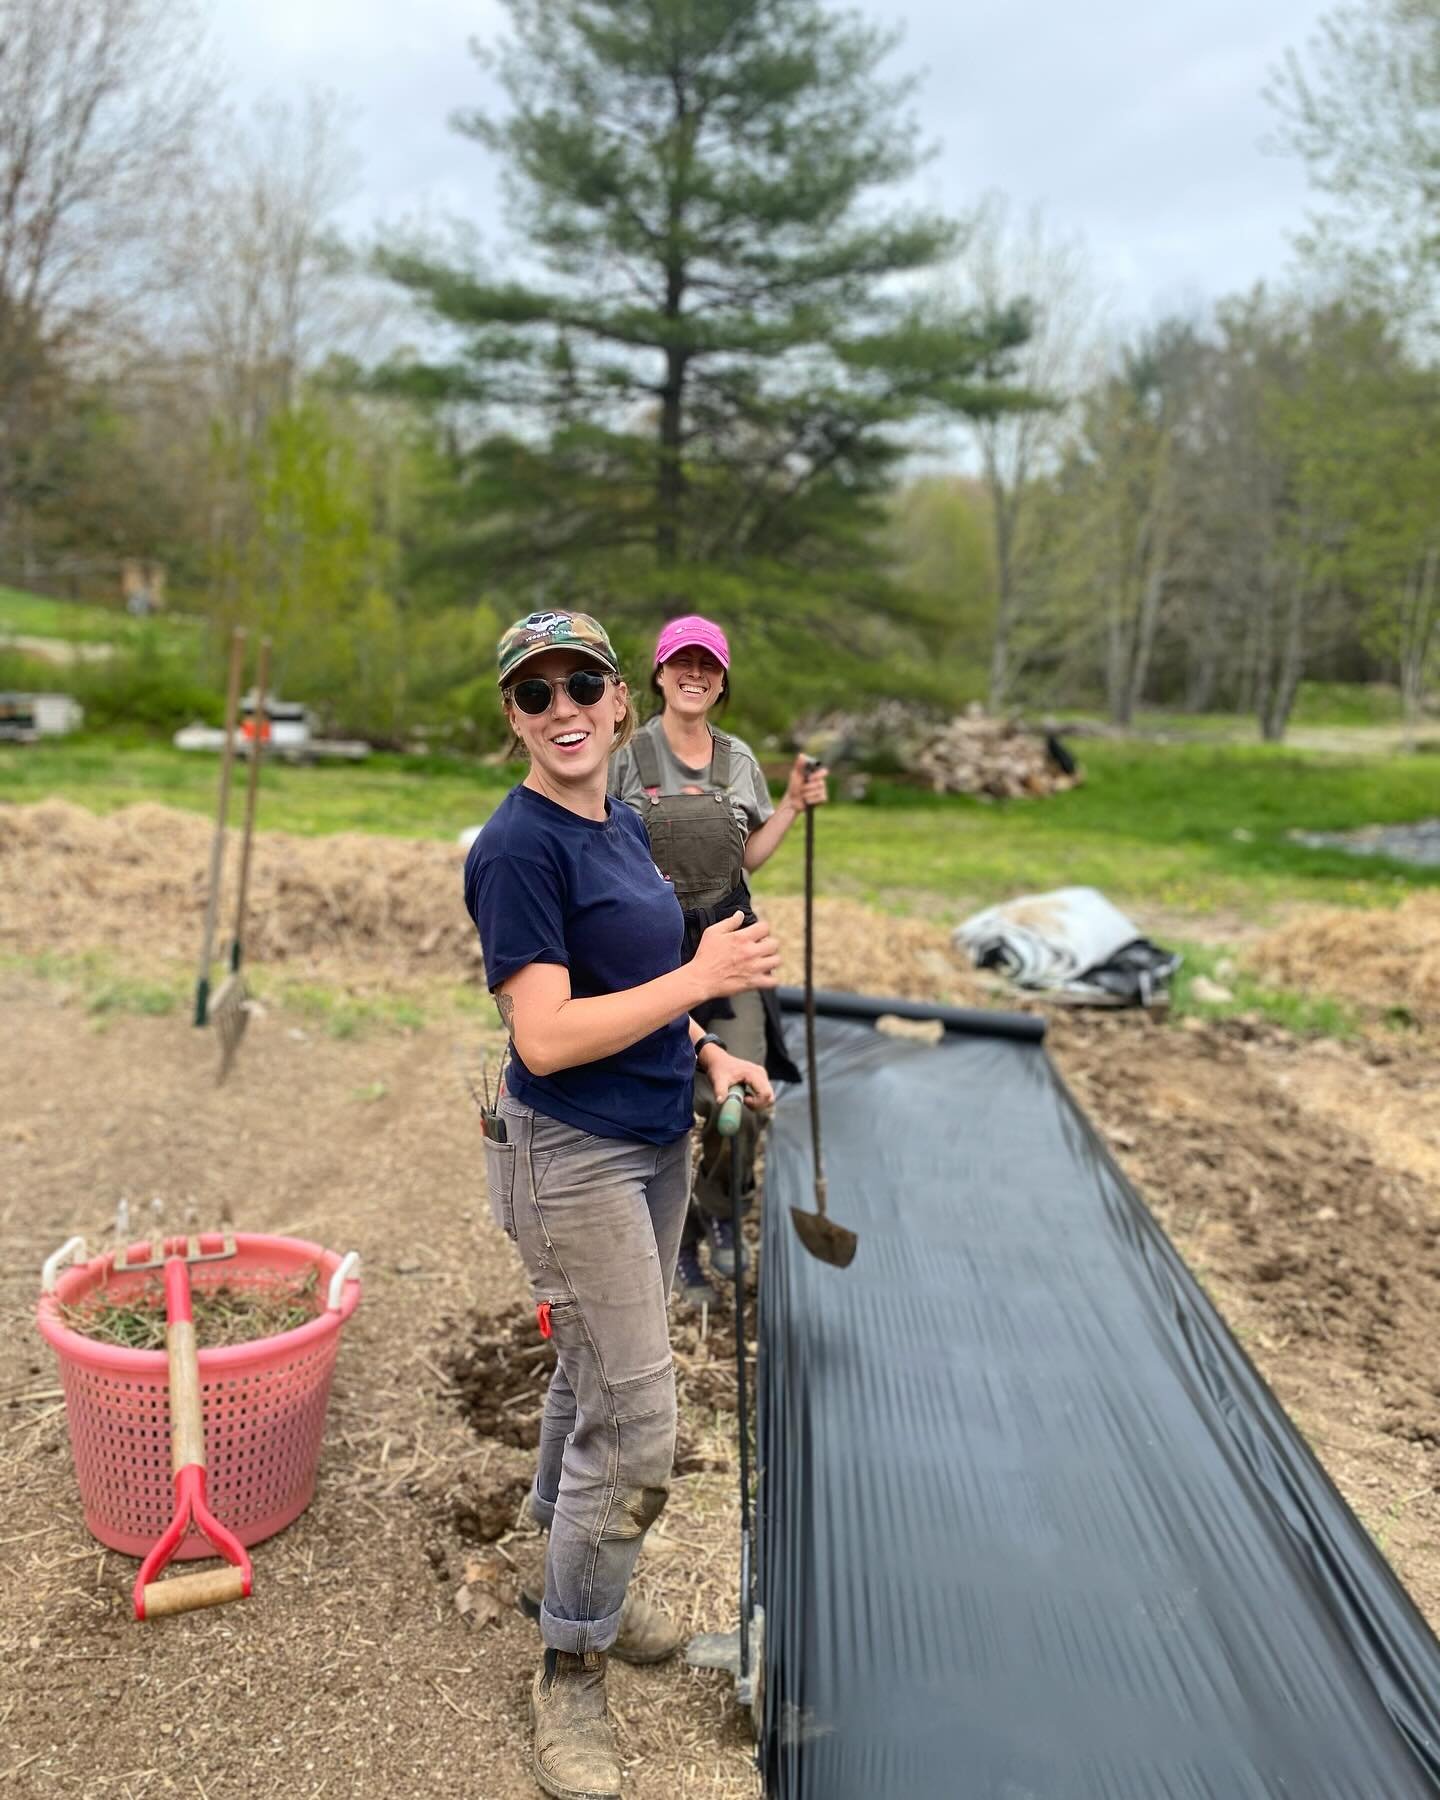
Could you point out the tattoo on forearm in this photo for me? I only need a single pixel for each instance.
(505, 1006)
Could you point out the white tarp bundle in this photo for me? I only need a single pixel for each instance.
(1072, 943)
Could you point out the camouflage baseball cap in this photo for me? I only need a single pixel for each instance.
(538, 632)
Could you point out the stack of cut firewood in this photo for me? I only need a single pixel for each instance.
(971, 753)
(976, 754)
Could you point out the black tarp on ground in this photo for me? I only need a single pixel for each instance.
(1032, 1527)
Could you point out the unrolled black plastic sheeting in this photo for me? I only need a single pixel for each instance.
(1032, 1527)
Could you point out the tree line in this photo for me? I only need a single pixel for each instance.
(727, 368)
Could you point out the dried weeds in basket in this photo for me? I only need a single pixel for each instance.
(224, 1315)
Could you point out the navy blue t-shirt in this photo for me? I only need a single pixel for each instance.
(544, 885)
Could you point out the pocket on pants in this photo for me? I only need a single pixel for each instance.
(647, 1396)
(550, 1138)
(500, 1178)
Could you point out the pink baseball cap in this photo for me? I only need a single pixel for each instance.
(692, 632)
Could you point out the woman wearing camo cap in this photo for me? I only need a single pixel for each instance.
(587, 1152)
(710, 821)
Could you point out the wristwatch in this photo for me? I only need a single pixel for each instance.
(709, 1038)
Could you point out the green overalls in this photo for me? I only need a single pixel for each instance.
(699, 845)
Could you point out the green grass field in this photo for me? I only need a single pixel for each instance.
(1195, 828)
(76, 622)
(395, 796)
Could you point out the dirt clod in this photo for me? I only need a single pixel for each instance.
(500, 1374)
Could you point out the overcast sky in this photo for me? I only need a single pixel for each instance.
(1136, 124)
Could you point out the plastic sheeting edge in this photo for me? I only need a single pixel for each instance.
(966, 1021)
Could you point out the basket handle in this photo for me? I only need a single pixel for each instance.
(348, 1270)
(72, 1248)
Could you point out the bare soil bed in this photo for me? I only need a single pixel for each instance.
(1295, 1178)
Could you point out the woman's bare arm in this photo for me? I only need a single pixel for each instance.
(552, 1030)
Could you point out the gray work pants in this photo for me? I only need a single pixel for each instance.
(597, 1222)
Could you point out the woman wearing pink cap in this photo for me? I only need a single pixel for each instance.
(710, 821)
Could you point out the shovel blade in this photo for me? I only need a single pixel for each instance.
(824, 1239)
(229, 1016)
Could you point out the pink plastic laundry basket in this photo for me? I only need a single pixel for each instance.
(264, 1402)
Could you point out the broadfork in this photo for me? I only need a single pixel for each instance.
(153, 1598)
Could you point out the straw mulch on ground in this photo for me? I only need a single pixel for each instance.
(1377, 959)
(135, 879)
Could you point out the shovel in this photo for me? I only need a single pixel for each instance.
(228, 1009)
(155, 1599)
(821, 1236)
(217, 842)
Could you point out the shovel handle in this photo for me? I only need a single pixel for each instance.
(732, 1111)
(217, 842)
(252, 787)
(810, 1078)
(188, 1593)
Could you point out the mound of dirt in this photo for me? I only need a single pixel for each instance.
(865, 952)
(135, 879)
(1376, 959)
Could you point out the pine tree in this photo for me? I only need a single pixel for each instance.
(709, 378)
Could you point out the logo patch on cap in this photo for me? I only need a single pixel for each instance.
(555, 630)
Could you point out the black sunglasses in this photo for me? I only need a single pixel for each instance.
(533, 695)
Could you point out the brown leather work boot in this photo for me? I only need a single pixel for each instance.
(646, 1635)
(575, 1755)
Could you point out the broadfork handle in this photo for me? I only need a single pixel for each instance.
(217, 842)
(252, 784)
(187, 1419)
(188, 1593)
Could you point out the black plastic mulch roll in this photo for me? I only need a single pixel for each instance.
(1032, 1527)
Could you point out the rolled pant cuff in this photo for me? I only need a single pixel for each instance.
(542, 1511)
(576, 1636)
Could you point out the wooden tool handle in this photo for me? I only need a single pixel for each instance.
(217, 842)
(811, 1080)
(252, 785)
(188, 1593)
(187, 1421)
